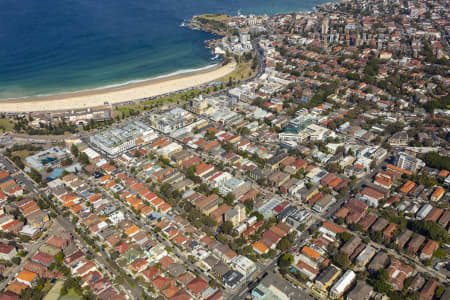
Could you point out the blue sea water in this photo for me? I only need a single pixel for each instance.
(58, 46)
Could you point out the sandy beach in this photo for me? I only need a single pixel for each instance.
(94, 98)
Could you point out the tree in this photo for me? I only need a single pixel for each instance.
(440, 253)
(35, 175)
(373, 164)
(439, 291)
(285, 261)
(59, 258)
(66, 162)
(16, 260)
(342, 261)
(333, 167)
(344, 236)
(380, 281)
(249, 205)
(429, 229)
(435, 160)
(284, 244)
(229, 198)
(258, 215)
(83, 158)
(74, 150)
(227, 227)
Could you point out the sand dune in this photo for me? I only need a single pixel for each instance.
(149, 88)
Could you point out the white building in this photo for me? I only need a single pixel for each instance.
(315, 133)
(342, 284)
(243, 265)
(409, 162)
(117, 140)
(424, 211)
(116, 217)
(230, 185)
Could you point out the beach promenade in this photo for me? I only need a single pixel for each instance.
(101, 97)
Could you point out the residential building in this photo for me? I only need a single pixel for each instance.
(343, 284)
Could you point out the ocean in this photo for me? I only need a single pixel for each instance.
(58, 46)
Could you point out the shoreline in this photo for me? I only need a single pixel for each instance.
(119, 94)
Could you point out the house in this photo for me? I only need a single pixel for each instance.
(208, 204)
(417, 283)
(274, 162)
(444, 219)
(403, 238)
(428, 249)
(43, 259)
(7, 252)
(379, 225)
(349, 247)
(150, 272)
(307, 194)
(407, 187)
(243, 265)
(398, 272)
(364, 256)
(371, 196)
(361, 291)
(330, 229)
(60, 240)
(197, 286)
(8, 295)
(379, 261)
(160, 282)
(428, 290)
(415, 243)
(273, 286)
(434, 214)
(383, 180)
(27, 277)
(218, 213)
(277, 179)
(399, 139)
(388, 232)
(260, 248)
(323, 203)
(327, 277)
(356, 210)
(16, 287)
(437, 194)
(232, 279)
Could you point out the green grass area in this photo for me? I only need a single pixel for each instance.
(22, 154)
(6, 125)
(71, 295)
(243, 71)
(176, 99)
(54, 292)
(216, 17)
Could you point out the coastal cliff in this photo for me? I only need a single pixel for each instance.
(214, 23)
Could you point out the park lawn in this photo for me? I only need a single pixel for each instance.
(175, 99)
(241, 72)
(22, 154)
(71, 295)
(54, 292)
(6, 125)
(216, 17)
